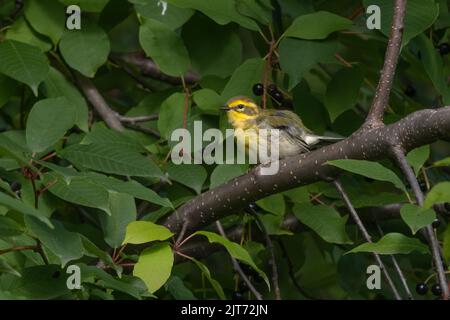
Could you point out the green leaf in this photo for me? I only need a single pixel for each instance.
(317, 25)
(434, 66)
(190, 175)
(208, 101)
(243, 79)
(442, 163)
(154, 266)
(343, 90)
(165, 47)
(393, 243)
(48, 121)
(324, 220)
(171, 115)
(174, 17)
(78, 190)
(111, 159)
(47, 17)
(22, 32)
(274, 204)
(40, 283)
(420, 15)
(98, 277)
(178, 290)
(99, 134)
(221, 11)
(144, 231)
(200, 35)
(446, 245)
(132, 188)
(369, 169)
(86, 49)
(235, 250)
(122, 211)
(299, 56)
(21, 207)
(416, 217)
(64, 244)
(9, 227)
(224, 173)
(417, 157)
(438, 194)
(23, 63)
(56, 85)
(87, 5)
(214, 283)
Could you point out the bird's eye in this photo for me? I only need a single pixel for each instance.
(241, 107)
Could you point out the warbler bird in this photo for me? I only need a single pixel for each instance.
(294, 138)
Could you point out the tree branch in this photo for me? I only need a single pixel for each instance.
(381, 99)
(399, 156)
(365, 234)
(148, 68)
(98, 102)
(417, 129)
(238, 268)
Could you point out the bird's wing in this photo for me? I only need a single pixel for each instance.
(287, 122)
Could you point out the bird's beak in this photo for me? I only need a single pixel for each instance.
(225, 108)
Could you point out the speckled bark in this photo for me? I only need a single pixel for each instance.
(415, 130)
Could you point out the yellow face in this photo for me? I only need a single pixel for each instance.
(240, 110)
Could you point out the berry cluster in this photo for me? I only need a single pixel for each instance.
(276, 95)
(422, 289)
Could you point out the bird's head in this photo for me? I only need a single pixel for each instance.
(240, 110)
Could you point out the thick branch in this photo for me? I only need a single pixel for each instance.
(381, 99)
(419, 128)
(148, 68)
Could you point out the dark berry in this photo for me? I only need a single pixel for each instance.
(15, 186)
(56, 274)
(237, 296)
(444, 48)
(436, 289)
(278, 96)
(436, 223)
(421, 288)
(410, 91)
(287, 104)
(258, 89)
(447, 207)
(272, 88)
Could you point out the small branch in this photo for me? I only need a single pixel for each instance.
(365, 234)
(143, 129)
(148, 68)
(98, 102)
(398, 269)
(238, 268)
(381, 99)
(291, 271)
(19, 248)
(272, 260)
(399, 156)
(134, 120)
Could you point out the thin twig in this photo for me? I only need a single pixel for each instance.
(365, 234)
(134, 120)
(143, 129)
(19, 248)
(397, 267)
(381, 99)
(291, 271)
(238, 268)
(98, 102)
(399, 156)
(272, 260)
